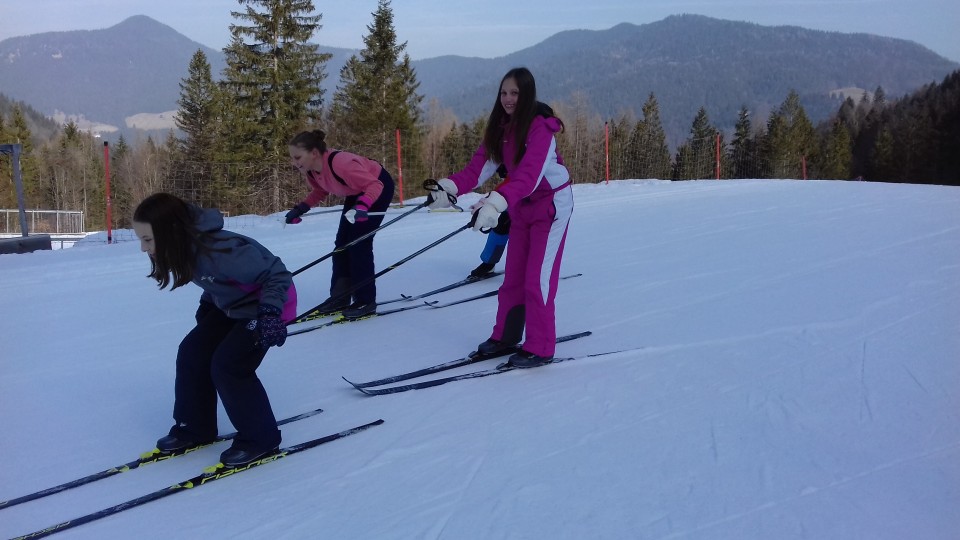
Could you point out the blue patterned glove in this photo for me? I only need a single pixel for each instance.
(272, 330)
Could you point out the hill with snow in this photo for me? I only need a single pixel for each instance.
(792, 372)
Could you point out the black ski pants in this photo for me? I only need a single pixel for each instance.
(220, 357)
(355, 265)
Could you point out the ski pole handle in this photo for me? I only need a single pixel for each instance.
(350, 215)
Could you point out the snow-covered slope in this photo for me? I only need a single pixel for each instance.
(796, 376)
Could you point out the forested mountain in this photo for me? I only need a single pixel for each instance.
(692, 61)
(687, 61)
(41, 127)
(103, 75)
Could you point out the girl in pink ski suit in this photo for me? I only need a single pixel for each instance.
(520, 136)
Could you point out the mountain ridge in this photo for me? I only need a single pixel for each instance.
(686, 61)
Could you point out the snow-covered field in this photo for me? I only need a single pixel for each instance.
(795, 374)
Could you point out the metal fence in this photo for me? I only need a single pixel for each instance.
(43, 221)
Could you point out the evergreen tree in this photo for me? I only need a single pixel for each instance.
(883, 165)
(197, 118)
(377, 96)
(271, 89)
(19, 132)
(459, 145)
(649, 143)
(836, 155)
(791, 139)
(743, 156)
(698, 159)
(879, 98)
(197, 114)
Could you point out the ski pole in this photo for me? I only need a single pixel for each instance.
(347, 294)
(318, 212)
(363, 237)
(350, 215)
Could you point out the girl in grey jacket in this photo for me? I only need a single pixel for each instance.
(248, 295)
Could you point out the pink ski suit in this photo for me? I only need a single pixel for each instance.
(540, 201)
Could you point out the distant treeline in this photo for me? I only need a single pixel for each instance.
(231, 147)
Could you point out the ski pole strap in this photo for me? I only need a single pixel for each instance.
(434, 188)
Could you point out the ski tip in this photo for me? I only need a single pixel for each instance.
(357, 386)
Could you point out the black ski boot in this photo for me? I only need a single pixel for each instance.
(332, 306)
(494, 347)
(482, 270)
(524, 359)
(234, 457)
(173, 443)
(358, 310)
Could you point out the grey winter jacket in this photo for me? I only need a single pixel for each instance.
(237, 273)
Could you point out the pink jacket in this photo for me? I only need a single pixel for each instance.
(540, 171)
(360, 175)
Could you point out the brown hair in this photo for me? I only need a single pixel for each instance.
(527, 108)
(310, 140)
(175, 237)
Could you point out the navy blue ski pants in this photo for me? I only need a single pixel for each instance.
(354, 265)
(220, 356)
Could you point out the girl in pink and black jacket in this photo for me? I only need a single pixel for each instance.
(520, 135)
(367, 187)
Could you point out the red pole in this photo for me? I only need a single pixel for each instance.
(399, 167)
(606, 130)
(718, 156)
(803, 164)
(106, 165)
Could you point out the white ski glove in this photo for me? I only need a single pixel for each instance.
(445, 196)
(487, 214)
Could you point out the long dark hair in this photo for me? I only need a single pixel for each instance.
(175, 237)
(527, 108)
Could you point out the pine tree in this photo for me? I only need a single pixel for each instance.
(271, 89)
(459, 145)
(649, 142)
(743, 156)
(197, 114)
(377, 96)
(200, 104)
(883, 166)
(19, 133)
(836, 155)
(791, 139)
(698, 158)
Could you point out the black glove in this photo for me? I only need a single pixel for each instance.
(293, 216)
(203, 310)
(272, 330)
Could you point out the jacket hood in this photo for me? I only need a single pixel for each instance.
(207, 219)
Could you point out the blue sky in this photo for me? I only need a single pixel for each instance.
(498, 27)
